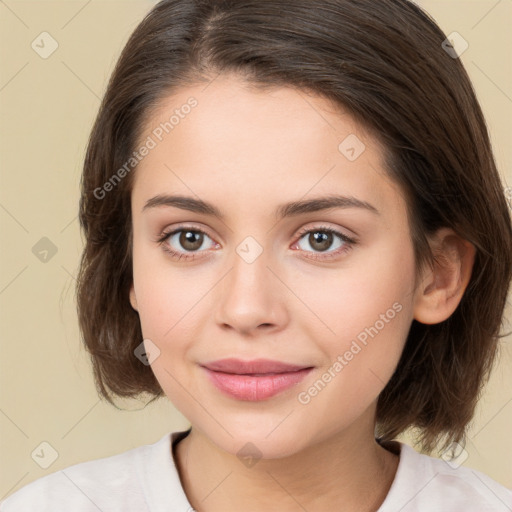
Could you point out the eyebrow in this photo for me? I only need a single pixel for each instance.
(285, 210)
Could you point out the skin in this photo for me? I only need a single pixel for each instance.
(246, 152)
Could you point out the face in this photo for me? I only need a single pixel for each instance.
(328, 289)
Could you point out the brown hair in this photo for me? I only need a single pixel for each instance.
(383, 62)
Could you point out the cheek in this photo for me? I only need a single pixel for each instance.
(165, 293)
(366, 312)
(165, 299)
(355, 296)
(154, 297)
(359, 360)
(166, 304)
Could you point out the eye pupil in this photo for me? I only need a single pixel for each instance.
(323, 238)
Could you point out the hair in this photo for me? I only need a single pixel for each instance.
(384, 63)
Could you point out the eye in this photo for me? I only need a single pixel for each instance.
(189, 240)
(185, 242)
(321, 239)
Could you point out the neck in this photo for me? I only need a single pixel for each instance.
(347, 471)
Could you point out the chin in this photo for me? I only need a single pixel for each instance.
(258, 441)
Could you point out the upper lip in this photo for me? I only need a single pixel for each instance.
(238, 366)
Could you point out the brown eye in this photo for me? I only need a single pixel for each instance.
(190, 240)
(320, 240)
(185, 243)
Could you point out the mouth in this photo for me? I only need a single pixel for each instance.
(254, 367)
(254, 380)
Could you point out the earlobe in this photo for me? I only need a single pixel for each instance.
(133, 299)
(442, 287)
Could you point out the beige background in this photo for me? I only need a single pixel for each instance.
(47, 107)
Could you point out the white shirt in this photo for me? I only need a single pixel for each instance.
(145, 479)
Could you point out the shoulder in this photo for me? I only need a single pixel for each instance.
(110, 483)
(424, 483)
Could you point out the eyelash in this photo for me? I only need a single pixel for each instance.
(348, 242)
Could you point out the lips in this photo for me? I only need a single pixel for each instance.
(254, 380)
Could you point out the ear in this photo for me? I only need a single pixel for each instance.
(442, 287)
(133, 299)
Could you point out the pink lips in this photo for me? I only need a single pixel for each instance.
(254, 380)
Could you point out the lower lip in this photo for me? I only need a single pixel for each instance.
(255, 388)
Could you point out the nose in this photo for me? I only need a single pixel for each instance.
(251, 298)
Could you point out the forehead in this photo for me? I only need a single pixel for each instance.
(253, 148)
(229, 110)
